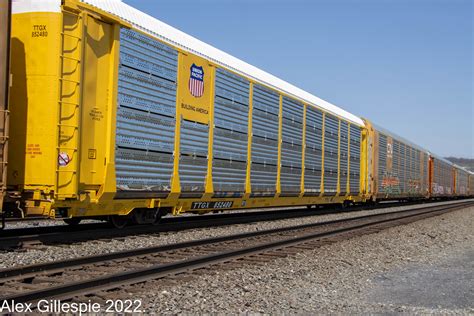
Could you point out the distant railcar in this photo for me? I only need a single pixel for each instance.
(443, 179)
(461, 181)
(400, 168)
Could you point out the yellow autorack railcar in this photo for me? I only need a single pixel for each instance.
(116, 113)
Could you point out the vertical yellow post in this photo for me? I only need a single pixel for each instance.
(209, 190)
(175, 182)
(280, 134)
(364, 161)
(248, 185)
(348, 183)
(338, 187)
(110, 185)
(303, 150)
(323, 131)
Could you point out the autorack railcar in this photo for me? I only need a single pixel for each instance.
(443, 177)
(461, 181)
(400, 168)
(141, 117)
(117, 115)
(5, 16)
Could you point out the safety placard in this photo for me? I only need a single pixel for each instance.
(63, 159)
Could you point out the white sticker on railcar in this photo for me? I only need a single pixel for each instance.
(63, 159)
(210, 205)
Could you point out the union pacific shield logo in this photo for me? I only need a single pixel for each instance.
(196, 81)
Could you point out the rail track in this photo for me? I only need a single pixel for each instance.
(11, 239)
(86, 277)
(33, 237)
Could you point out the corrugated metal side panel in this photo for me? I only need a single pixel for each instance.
(139, 130)
(293, 110)
(264, 155)
(146, 111)
(396, 172)
(147, 55)
(290, 179)
(403, 167)
(343, 158)
(264, 151)
(414, 183)
(442, 178)
(463, 182)
(231, 101)
(193, 158)
(331, 154)
(266, 100)
(291, 147)
(264, 125)
(232, 87)
(229, 145)
(354, 168)
(143, 170)
(382, 166)
(313, 154)
(228, 175)
(230, 132)
(263, 179)
(425, 171)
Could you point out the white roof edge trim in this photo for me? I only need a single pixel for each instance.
(171, 35)
(29, 6)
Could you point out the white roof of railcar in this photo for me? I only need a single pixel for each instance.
(186, 42)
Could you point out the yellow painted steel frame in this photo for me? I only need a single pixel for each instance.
(97, 185)
(248, 184)
(348, 186)
(338, 186)
(368, 160)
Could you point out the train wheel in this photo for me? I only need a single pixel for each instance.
(119, 221)
(72, 221)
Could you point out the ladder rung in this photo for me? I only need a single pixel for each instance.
(73, 14)
(71, 171)
(71, 58)
(71, 103)
(69, 80)
(66, 125)
(66, 148)
(73, 36)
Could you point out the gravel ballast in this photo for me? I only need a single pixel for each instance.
(340, 278)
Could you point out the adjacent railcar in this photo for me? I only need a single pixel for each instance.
(400, 168)
(5, 16)
(442, 177)
(461, 181)
(471, 184)
(144, 118)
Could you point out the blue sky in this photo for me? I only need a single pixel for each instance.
(405, 64)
